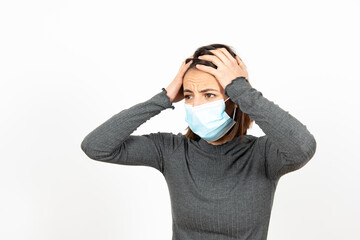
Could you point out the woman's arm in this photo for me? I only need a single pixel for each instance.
(287, 145)
(112, 141)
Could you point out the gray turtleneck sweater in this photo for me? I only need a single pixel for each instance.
(217, 192)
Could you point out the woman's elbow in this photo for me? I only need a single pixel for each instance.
(90, 152)
(99, 155)
(85, 146)
(308, 149)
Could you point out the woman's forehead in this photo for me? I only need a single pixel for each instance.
(200, 79)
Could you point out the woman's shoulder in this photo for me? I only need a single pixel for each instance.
(169, 138)
(255, 139)
(247, 138)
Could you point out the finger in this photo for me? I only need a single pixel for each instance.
(212, 59)
(191, 57)
(185, 67)
(187, 61)
(227, 54)
(221, 56)
(240, 62)
(208, 69)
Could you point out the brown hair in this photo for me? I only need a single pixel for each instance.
(243, 121)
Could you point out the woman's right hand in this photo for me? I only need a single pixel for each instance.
(173, 91)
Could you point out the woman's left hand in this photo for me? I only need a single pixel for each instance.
(228, 67)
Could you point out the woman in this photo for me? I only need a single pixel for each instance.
(221, 181)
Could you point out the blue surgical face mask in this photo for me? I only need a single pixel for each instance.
(209, 121)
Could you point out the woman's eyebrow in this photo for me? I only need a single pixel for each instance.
(204, 90)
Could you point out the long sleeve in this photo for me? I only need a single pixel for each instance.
(112, 141)
(287, 144)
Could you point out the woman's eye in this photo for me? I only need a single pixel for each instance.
(209, 95)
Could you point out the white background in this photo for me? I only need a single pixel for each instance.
(68, 66)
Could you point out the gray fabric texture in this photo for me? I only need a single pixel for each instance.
(222, 192)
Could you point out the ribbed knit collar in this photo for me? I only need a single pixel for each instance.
(222, 148)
